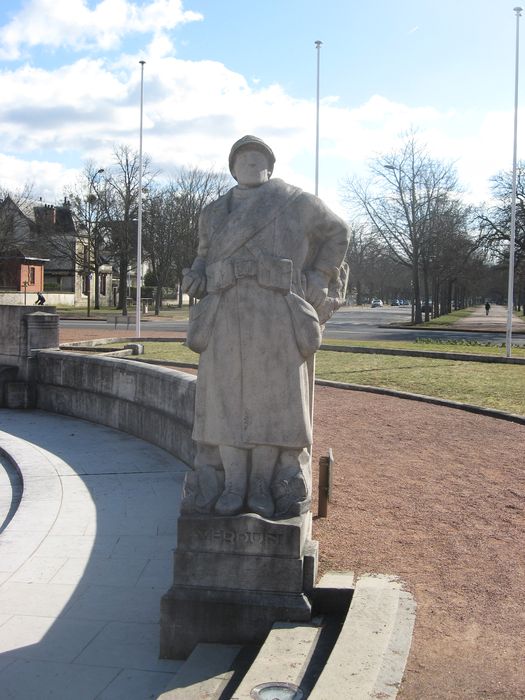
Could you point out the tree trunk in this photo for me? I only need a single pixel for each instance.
(416, 293)
(97, 279)
(426, 293)
(123, 286)
(158, 299)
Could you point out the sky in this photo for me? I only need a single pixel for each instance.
(216, 70)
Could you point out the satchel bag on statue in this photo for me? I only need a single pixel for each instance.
(202, 318)
(305, 322)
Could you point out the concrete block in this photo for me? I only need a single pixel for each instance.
(243, 534)
(204, 675)
(290, 641)
(310, 565)
(190, 616)
(333, 593)
(238, 572)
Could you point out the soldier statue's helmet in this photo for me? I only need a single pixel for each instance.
(254, 143)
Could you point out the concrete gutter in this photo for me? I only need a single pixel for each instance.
(493, 328)
(432, 354)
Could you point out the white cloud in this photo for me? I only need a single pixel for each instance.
(194, 110)
(46, 178)
(73, 25)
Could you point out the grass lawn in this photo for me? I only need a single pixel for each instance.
(432, 344)
(448, 319)
(489, 385)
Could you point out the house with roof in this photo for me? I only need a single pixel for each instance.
(41, 250)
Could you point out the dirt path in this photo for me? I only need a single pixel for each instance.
(435, 496)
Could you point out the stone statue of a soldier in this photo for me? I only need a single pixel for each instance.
(267, 274)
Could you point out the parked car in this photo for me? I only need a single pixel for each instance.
(376, 303)
(395, 302)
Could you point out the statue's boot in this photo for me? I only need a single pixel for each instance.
(235, 463)
(260, 500)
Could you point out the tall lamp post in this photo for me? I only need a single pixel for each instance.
(318, 45)
(139, 222)
(510, 291)
(90, 201)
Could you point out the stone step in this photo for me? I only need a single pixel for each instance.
(369, 658)
(204, 675)
(283, 657)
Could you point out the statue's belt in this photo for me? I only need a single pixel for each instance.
(269, 271)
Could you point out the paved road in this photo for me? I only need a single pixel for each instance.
(357, 323)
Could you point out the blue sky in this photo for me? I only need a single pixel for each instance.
(217, 69)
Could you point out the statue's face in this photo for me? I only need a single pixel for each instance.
(251, 168)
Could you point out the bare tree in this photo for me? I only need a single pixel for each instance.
(119, 210)
(373, 273)
(406, 200)
(495, 225)
(195, 189)
(170, 228)
(160, 232)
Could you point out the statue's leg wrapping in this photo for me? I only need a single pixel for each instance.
(235, 464)
(260, 501)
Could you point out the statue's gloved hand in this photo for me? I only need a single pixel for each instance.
(194, 283)
(316, 288)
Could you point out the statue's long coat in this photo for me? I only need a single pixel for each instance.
(253, 384)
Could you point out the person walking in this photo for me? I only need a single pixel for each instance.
(487, 308)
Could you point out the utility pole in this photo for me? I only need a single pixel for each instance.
(318, 45)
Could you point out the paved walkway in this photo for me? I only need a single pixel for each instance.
(495, 321)
(84, 561)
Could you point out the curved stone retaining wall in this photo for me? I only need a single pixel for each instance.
(153, 403)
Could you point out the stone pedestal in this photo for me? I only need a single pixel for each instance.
(24, 331)
(234, 577)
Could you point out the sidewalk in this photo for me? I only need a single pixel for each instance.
(495, 321)
(84, 561)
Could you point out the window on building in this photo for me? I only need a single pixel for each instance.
(32, 275)
(103, 290)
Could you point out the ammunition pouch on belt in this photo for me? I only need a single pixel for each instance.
(271, 272)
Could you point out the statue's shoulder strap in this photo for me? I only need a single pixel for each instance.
(238, 228)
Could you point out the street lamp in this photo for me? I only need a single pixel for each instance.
(90, 201)
(510, 292)
(139, 223)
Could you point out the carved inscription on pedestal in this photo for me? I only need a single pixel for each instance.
(242, 534)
